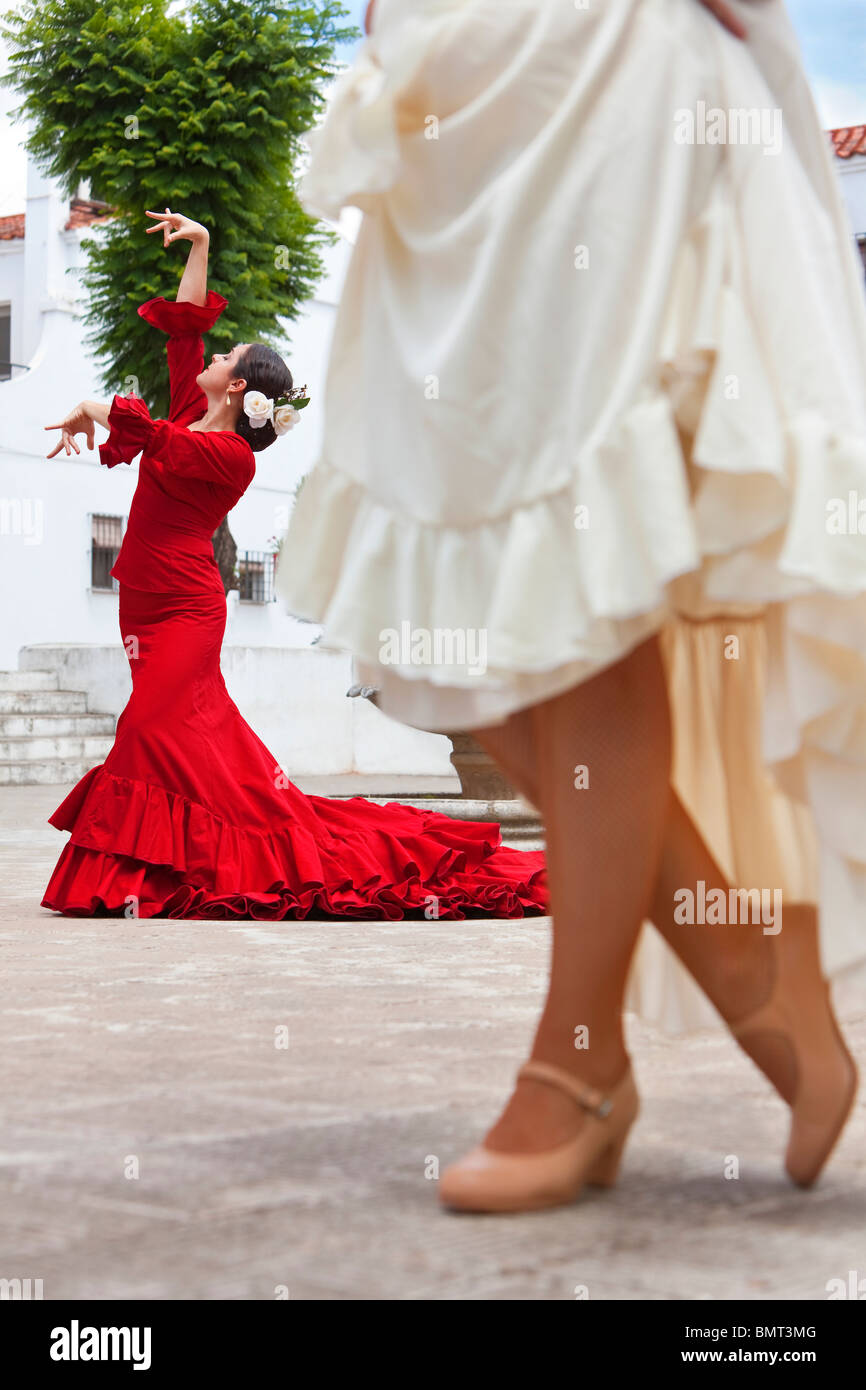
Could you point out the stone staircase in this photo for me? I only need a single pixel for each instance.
(48, 735)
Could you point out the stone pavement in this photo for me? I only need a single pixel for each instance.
(149, 1048)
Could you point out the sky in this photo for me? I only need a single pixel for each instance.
(832, 35)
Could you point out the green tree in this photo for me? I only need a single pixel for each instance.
(200, 109)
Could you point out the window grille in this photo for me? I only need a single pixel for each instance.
(6, 342)
(255, 576)
(106, 534)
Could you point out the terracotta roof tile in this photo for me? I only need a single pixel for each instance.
(849, 140)
(83, 211)
(11, 228)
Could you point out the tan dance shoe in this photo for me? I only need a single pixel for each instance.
(799, 1026)
(486, 1180)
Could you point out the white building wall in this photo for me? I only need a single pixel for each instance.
(852, 179)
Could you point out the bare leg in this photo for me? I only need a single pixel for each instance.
(733, 966)
(616, 725)
(793, 1035)
(734, 969)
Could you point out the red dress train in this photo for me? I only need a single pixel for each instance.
(190, 815)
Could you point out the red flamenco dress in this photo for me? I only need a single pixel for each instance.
(190, 815)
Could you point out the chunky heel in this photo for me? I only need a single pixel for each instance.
(605, 1171)
(486, 1180)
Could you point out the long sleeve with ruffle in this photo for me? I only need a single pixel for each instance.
(129, 430)
(217, 456)
(184, 323)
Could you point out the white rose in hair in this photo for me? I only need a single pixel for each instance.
(285, 418)
(258, 408)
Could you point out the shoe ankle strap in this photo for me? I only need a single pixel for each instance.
(596, 1102)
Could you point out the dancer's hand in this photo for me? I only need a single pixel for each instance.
(368, 16)
(175, 227)
(726, 15)
(78, 421)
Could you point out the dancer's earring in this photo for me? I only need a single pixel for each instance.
(228, 398)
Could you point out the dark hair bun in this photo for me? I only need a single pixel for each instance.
(264, 370)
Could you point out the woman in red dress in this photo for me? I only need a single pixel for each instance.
(190, 815)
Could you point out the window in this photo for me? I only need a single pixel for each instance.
(5, 342)
(106, 534)
(255, 576)
(861, 243)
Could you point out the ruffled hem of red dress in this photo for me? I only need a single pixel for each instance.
(137, 850)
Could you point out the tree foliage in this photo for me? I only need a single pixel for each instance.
(200, 109)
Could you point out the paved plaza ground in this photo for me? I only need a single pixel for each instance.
(159, 1141)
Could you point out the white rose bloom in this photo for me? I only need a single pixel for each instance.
(258, 408)
(285, 418)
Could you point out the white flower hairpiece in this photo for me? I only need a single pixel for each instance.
(282, 413)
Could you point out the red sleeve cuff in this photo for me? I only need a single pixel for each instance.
(130, 428)
(178, 319)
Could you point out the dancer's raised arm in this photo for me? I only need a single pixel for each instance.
(175, 227)
(192, 312)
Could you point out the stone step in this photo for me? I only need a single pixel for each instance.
(43, 702)
(520, 823)
(62, 771)
(30, 747)
(29, 680)
(50, 725)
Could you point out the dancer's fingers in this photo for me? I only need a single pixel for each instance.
(167, 220)
(66, 439)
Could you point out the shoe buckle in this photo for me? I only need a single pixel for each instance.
(595, 1103)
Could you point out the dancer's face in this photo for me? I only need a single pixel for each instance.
(220, 375)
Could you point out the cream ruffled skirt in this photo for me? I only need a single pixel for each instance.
(599, 371)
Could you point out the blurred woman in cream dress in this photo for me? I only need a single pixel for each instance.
(596, 407)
